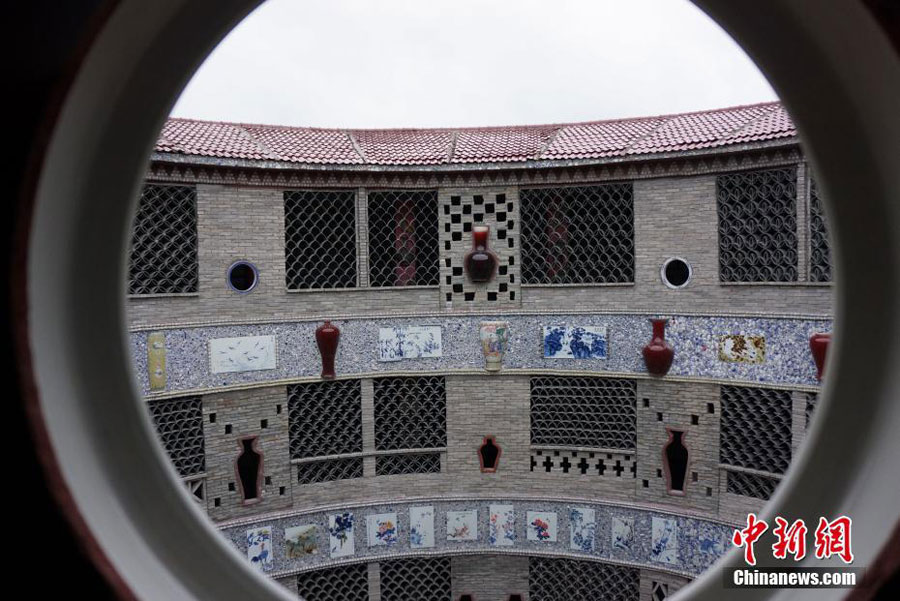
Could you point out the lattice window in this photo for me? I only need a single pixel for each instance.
(410, 413)
(344, 583)
(408, 463)
(329, 469)
(751, 485)
(416, 579)
(578, 235)
(583, 412)
(325, 419)
(576, 580)
(179, 425)
(584, 464)
(164, 242)
(812, 399)
(756, 428)
(819, 250)
(320, 239)
(403, 238)
(758, 226)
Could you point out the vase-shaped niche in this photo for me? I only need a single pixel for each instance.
(818, 345)
(489, 454)
(658, 353)
(494, 340)
(327, 337)
(480, 262)
(249, 467)
(675, 460)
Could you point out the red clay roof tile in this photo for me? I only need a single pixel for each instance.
(592, 140)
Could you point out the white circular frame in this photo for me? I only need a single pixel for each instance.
(665, 280)
(116, 475)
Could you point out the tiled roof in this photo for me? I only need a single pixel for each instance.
(593, 140)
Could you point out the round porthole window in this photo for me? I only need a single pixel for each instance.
(242, 276)
(676, 272)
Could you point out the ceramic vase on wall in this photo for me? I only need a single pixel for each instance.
(480, 262)
(658, 353)
(494, 339)
(818, 345)
(327, 338)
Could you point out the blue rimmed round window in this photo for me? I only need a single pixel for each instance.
(676, 272)
(242, 276)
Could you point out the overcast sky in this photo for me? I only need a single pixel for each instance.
(437, 63)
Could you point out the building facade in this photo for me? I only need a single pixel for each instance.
(420, 470)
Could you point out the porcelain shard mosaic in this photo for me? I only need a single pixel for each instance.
(686, 545)
(247, 353)
(696, 340)
(413, 342)
(575, 342)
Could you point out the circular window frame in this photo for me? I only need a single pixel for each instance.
(96, 155)
(665, 280)
(242, 263)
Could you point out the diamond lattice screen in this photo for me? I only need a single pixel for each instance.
(344, 583)
(574, 580)
(756, 428)
(164, 242)
(758, 226)
(403, 238)
(419, 579)
(819, 251)
(578, 235)
(325, 418)
(812, 399)
(751, 485)
(410, 413)
(583, 412)
(411, 463)
(320, 239)
(179, 425)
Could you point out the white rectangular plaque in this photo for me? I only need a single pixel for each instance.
(248, 353)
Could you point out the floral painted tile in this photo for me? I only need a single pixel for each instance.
(541, 526)
(421, 527)
(664, 540)
(410, 342)
(300, 541)
(622, 533)
(381, 529)
(582, 529)
(501, 525)
(259, 548)
(462, 525)
(575, 342)
(341, 531)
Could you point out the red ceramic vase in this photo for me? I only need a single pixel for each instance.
(818, 344)
(327, 337)
(658, 353)
(480, 262)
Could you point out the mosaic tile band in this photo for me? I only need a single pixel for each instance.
(696, 341)
(680, 544)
